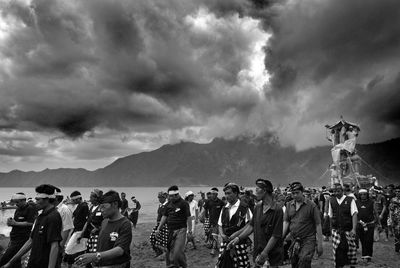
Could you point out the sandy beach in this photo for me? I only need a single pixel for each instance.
(143, 255)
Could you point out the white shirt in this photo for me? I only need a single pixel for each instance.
(66, 217)
(193, 208)
(353, 206)
(232, 211)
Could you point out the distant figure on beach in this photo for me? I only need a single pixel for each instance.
(194, 213)
(177, 216)
(67, 222)
(115, 237)
(159, 242)
(201, 202)
(21, 224)
(124, 205)
(213, 208)
(79, 216)
(44, 252)
(134, 216)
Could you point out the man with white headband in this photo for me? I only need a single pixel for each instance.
(21, 224)
(177, 216)
(213, 207)
(46, 234)
(367, 217)
(79, 216)
(67, 222)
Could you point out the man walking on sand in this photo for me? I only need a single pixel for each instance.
(267, 224)
(343, 214)
(177, 216)
(46, 234)
(213, 208)
(21, 224)
(115, 237)
(159, 243)
(234, 216)
(302, 217)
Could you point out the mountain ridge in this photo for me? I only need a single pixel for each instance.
(242, 160)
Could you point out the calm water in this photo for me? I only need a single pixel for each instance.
(147, 196)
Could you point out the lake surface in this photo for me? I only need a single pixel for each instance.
(147, 196)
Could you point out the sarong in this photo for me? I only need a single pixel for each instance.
(161, 240)
(92, 243)
(240, 257)
(344, 248)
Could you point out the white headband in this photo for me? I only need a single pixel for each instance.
(214, 192)
(361, 191)
(42, 195)
(18, 197)
(59, 194)
(76, 197)
(173, 192)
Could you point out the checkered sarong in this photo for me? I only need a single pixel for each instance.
(352, 249)
(240, 258)
(206, 226)
(92, 243)
(162, 239)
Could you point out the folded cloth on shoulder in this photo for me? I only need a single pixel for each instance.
(75, 246)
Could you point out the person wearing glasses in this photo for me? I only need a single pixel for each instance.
(113, 245)
(46, 234)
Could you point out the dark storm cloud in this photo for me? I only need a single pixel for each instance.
(340, 54)
(78, 65)
(151, 66)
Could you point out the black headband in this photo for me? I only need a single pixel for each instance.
(296, 186)
(264, 184)
(110, 199)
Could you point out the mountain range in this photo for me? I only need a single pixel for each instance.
(241, 160)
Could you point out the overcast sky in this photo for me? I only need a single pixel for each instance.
(85, 82)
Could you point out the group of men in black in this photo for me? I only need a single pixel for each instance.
(44, 227)
(288, 226)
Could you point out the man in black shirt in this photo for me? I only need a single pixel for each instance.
(267, 224)
(113, 249)
(213, 208)
(46, 234)
(79, 216)
(21, 224)
(135, 211)
(159, 242)
(367, 217)
(177, 216)
(124, 205)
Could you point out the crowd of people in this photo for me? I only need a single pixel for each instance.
(288, 225)
(272, 226)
